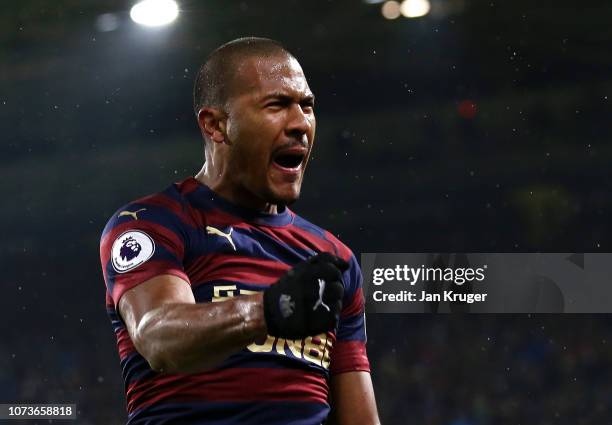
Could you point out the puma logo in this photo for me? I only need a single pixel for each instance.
(214, 231)
(130, 213)
(320, 300)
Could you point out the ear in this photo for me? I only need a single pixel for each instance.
(212, 124)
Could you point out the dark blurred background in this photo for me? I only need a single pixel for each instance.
(483, 126)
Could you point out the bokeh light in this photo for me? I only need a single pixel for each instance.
(154, 13)
(391, 9)
(107, 22)
(467, 109)
(415, 8)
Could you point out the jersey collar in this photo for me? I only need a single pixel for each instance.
(211, 199)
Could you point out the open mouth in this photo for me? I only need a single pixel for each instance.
(289, 160)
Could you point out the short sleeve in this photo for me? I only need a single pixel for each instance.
(349, 352)
(139, 242)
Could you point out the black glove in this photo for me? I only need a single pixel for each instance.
(307, 300)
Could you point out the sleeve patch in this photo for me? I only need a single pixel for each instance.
(130, 250)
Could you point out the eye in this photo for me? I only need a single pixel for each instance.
(277, 104)
(308, 105)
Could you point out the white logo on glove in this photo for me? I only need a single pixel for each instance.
(286, 305)
(320, 300)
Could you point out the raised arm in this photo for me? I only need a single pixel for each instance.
(176, 335)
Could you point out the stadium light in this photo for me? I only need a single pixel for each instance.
(415, 8)
(154, 13)
(391, 9)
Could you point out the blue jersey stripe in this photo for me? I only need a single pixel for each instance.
(135, 368)
(116, 321)
(216, 413)
(351, 328)
(249, 242)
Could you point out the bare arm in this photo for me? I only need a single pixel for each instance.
(176, 335)
(353, 400)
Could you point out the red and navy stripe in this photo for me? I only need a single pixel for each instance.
(260, 384)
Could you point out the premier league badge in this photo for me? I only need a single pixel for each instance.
(131, 249)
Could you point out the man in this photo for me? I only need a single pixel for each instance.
(288, 338)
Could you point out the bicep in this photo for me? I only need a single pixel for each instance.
(353, 399)
(150, 295)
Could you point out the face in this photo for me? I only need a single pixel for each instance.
(270, 129)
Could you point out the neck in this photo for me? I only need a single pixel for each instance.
(215, 177)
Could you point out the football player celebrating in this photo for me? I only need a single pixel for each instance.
(228, 307)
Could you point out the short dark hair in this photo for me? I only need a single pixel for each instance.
(213, 83)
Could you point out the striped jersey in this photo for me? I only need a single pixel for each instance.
(223, 250)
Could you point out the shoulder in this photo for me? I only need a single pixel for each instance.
(166, 209)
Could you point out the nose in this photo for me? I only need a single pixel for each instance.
(299, 122)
